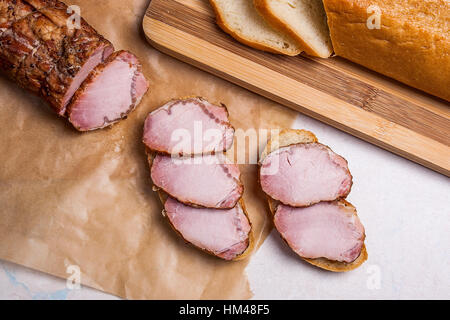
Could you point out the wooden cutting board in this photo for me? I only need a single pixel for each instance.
(363, 103)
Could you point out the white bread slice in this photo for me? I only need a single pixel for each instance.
(289, 137)
(240, 19)
(303, 20)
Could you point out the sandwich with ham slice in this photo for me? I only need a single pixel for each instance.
(306, 184)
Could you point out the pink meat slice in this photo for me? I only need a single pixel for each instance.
(207, 181)
(304, 174)
(42, 55)
(329, 230)
(225, 233)
(189, 127)
(109, 94)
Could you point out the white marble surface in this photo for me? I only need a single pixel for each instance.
(405, 210)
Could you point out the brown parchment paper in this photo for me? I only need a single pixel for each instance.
(85, 199)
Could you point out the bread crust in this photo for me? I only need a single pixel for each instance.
(263, 7)
(257, 45)
(286, 138)
(264, 10)
(323, 263)
(403, 48)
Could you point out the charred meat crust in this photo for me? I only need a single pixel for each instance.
(322, 263)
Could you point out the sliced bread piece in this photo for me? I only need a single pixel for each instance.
(290, 137)
(240, 19)
(304, 20)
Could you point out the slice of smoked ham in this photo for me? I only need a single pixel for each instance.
(191, 126)
(206, 181)
(41, 54)
(303, 174)
(112, 90)
(223, 233)
(330, 230)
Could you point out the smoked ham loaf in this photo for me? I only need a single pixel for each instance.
(41, 54)
(412, 44)
(44, 54)
(315, 221)
(199, 187)
(304, 20)
(240, 19)
(174, 128)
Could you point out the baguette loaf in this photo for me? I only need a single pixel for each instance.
(304, 20)
(240, 19)
(412, 44)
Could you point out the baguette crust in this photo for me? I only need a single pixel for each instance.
(249, 42)
(289, 137)
(163, 198)
(411, 46)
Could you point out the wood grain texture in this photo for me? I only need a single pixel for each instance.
(363, 103)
